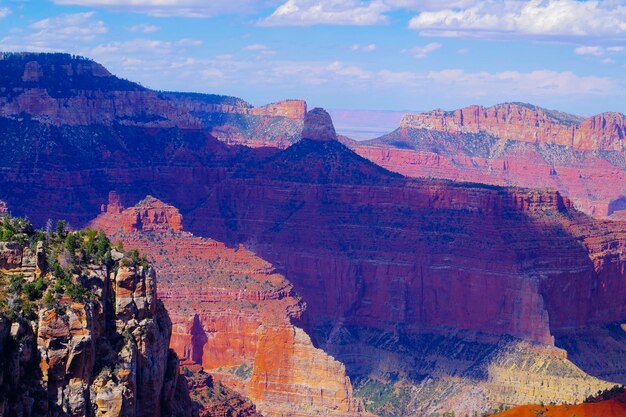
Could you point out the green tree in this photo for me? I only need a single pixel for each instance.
(61, 229)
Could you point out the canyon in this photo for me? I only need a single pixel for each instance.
(422, 295)
(513, 144)
(231, 314)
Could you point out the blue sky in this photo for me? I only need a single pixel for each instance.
(346, 54)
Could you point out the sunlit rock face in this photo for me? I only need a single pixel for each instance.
(513, 144)
(231, 314)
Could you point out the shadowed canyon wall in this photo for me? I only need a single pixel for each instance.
(451, 293)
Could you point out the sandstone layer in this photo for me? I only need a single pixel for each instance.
(231, 314)
(516, 145)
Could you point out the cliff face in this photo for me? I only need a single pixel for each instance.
(516, 145)
(96, 345)
(380, 260)
(231, 314)
(528, 123)
(59, 89)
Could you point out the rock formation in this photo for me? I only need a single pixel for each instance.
(59, 89)
(390, 268)
(231, 314)
(98, 347)
(527, 123)
(318, 126)
(513, 144)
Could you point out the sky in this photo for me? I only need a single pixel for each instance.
(393, 55)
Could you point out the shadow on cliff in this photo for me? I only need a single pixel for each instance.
(361, 245)
(407, 257)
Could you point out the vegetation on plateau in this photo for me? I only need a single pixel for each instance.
(65, 257)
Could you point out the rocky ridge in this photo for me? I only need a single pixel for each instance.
(61, 89)
(516, 145)
(527, 123)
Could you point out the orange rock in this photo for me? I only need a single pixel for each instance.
(615, 407)
(231, 314)
(292, 109)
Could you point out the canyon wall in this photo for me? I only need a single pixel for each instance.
(425, 368)
(231, 314)
(516, 145)
(388, 267)
(59, 89)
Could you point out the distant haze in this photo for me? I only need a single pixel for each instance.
(366, 124)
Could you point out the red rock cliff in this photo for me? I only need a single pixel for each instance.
(231, 314)
(528, 124)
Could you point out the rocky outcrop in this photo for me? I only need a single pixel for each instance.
(527, 123)
(292, 109)
(318, 126)
(17, 259)
(232, 314)
(106, 354)
(150, 214)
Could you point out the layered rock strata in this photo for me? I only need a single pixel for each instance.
(527, 123)
(513, 144)
(365, 249)
(231, 314)
(59, 89)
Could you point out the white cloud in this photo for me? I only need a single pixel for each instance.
(421, 52)
(256, 47)
(143, 28)
(212, 73)
(185, 8)
(259, 51)
(363, 48)
(538, 83)
(141, 47)
(76, 27)
(349, 12)
(589, 50)
(533, 18)
(463, 51)
(350, 72)
(4, 12)
(328, 12)
(600, 51)
(66, 32)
